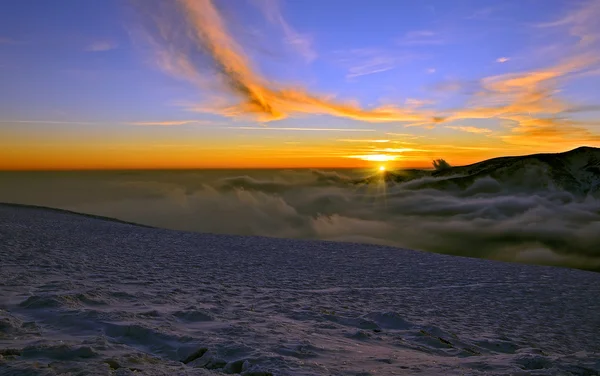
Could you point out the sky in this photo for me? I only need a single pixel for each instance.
(110, 84)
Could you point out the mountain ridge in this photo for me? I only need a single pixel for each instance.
(576, 171)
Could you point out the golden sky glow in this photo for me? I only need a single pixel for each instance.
(198, 84)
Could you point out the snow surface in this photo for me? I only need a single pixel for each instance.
(97, 297)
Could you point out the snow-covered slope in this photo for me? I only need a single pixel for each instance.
(91, 296)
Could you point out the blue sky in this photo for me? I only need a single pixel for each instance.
(75, 70)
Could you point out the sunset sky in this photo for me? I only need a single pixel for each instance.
(114, 84)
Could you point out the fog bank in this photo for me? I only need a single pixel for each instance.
(488, 219)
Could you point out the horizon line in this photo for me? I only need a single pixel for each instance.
(374, 165)
(207, 168)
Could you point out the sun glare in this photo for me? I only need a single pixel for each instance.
(375, 157)
(381, 168)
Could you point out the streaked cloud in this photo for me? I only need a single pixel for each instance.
(173, 122)
(469, 129)
(509, 98)
(146, 123)
(482, 14)
(398, 150)
(528, 103)
(431, 70)
(421, 37)
(416, 103)
(405, 135)
(367, 61)
(535, 91)
(583, 108)
(299, 129)
(461, 147)
(301, 43)
(581, 22)
(191, 26)
(374, 157)
(536, 131)
(101, 46)
(362, 140)
(51, 122)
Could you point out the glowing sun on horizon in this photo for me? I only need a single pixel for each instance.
(381, 168)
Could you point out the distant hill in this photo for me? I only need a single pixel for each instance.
(576, 171)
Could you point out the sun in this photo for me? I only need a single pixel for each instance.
(381, 168)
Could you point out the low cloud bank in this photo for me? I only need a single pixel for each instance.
(488, 218)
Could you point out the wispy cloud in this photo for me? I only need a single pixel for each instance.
(502, 59)
(397, 150)
(8, 41)
(187, 27)
(528, 103)
(173, 122)
(482, 14)
(404, 135)
(581, 22)
(298, 129)
(456, 86)
(374, 157)
(421, 37)
(50, 122)
(300, 43)
(531, 91)
(367, 61)
(469, 129)
(142, 123)
(460, 147)
(191, 31)
(416, 103)
(101, 46)
(363, 140)
(584, 108)
(536, 131)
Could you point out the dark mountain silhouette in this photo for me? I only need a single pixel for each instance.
(576, 171)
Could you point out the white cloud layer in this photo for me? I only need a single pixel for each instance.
(489, 218)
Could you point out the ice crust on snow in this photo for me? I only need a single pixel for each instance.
(97, 297)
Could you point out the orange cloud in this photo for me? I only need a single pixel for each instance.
(528, 100)
(415, 103)
(374, 157)
(469, 129)
(398, 150)
(363, 141)
(550, 131)
(189, 34)
(196, 31)
(297, 129)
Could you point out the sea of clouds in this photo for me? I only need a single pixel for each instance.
(489, 219)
